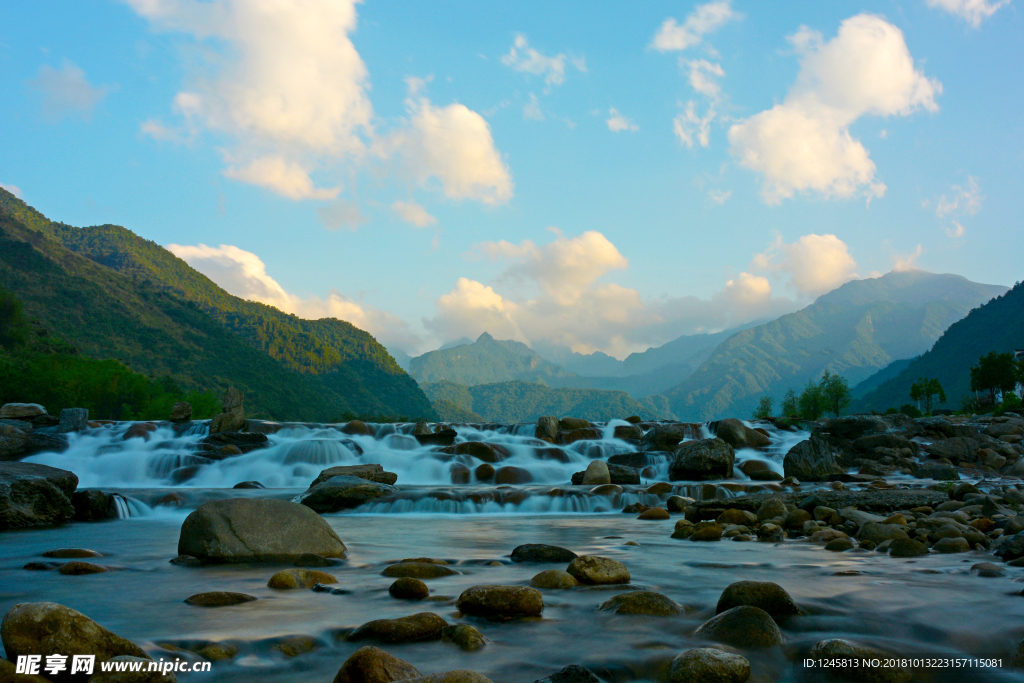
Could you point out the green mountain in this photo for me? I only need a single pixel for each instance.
(485, 361)
(112, 294)
(854, 330)
(996, 326)
(525, 402)
(884, 375)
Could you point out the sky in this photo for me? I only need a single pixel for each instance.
(604, 176)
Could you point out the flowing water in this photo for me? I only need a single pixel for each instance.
(930, 605)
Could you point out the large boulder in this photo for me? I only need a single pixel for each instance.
(547, 427)
(232, 419)
(35, 495)
(645, 603)
(46, 628)
(744, 627)
(771, 597)
(623, 475)
(501, 602)
(416, 627)
(14, 435)
(597, 570)
(370, 472)
(373, 665)
(812, 460)
(539, 552)
(256, 530)
(73, 420)
(739, 435)
(702, 459)
(21, 411)
(343, 493)
(488, 452)
(666, 437)
(709, 665)
(958, 449)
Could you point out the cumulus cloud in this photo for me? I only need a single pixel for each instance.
(522, 57)
(244, 274)
(13, 189)
(565, 301)
(971, 11)
(287, 178)
(804, 143)
(703, 20)
(904, 262)
(341, 214)
(815, 264)
(413, 213)
(618, 123)
(66, 91)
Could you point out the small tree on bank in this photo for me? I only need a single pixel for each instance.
(927, 389)
(835, 392)
(790, 405)
(994, 372)
(812, 404)
(764, 408)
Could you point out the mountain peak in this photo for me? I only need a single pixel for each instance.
(485, 337)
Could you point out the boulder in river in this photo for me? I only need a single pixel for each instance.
(709, 665)
(666, 437)
(501, 602)
(812, 460)
(539, 552)
(372, 665)
(771, 597)
(73, 420)
(343, 493)
(218, 599)
(92, 505)
(837, 648)
(21, 411)
(370, 472)
(418, 570)
(408, 588)
(256, 530)
(574, 673)
(646, 603)
(597, 473)
(413, 628)
(744, 627)
(597, 570)
(181, 412)
(299, 578)
(702, 459)
(35, 495)
(547, 428)
(738, 435)
(232, 419)
(622, 475)
(554, 579)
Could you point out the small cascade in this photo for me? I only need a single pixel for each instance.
(121, 505)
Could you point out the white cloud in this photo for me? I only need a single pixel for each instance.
(287, 178)
(902, 263)
(341, 214)
(689, 126)
(957, 231)
(244, 274)
(618, 123)
(964, 200)
(66, 91)
(413, 213)
(13, 189)
(531, 110)
(703, 20)
(972, 11)
(815, 264)
(804, 144)
(702, 74)
(719, 196)
(522, 57)
(159, 132)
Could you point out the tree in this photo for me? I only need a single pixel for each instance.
(927, 389)
(994, 372)
(790, 405)
(835, 392)
(764, 408)
(811, 401)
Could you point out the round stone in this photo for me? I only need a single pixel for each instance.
(597, 570)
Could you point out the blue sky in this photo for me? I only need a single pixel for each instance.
(605, 176)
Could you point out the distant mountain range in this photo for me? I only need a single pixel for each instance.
(113, 294)
(485, 361)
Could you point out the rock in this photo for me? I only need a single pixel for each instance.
(702, 459)
(770, 533)
(491, 453)
(311, 560)
(21, 411)
(654, 514)
(459, 473)
(14, 440)
(8, 674)
(666, 437)
(773, 508)
(812, 460)
(646, 603)
(80, 568)
(92, 505)
(512, 475)
(987, 570)
(299, 578)
(143, 676)
(554, 579)
(709, 665)
(357, 427)
(796, 518)
(181, 412)
(628, 432)
(35, 495)
(771, 597)
(1011, 547)
(373, 665)
(218, 599)
(445, 437)
(418, 570)
(538, 552)
(937, 472)
(706, 531)
(256, 530)
(738, 435)
(232, 419)
(876, 532)
(370, 472)
(597, 473)
(568, 424)
(71, 553)
(618, 474)
(73, 420)
(596, 570)
(574, 673)
(39, 441)
(343, 493)
(840, 545)
(501, 602)
(951, 545)
(547, 427)
(744, 627)
(465, 636)
(457, 676)
(408, 588)
(837, 648)
(46, 628)
(417, 627)
(957, 450)
(736, 516)
(907, 547)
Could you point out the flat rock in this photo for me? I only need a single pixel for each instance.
(539, 552)
(597, 570)
(416, 627)
(647, 603)
(343, 492)
(218, 599)
(418, 570)
(501, 602)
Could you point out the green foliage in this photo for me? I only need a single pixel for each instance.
(927, 389)
(811, 401)
(910, 410)
(1011, 401)
(450, 412)
(835, 392)
(994, 372)
(485, 361)
(790, 404)
(14, 326)
(764, 408)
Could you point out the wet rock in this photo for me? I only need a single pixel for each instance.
(445, 437)
(597, 473)
(370, 472)
(465, 636)
(488, 452)
(706, 531)
(654, 514)
(684, 529)
(312, 560)
(408, 588)
(417, 627)
(71, 553)
(143, 676)
(538, 552)
(457, 676)
(597, 570)
(357, 427)
(666, 437)
(773, 508)
(181, 412)
(907, 547)
(877, 532)
(709, 665)
(738, 435)
(768, 596)
(1011, 547)
(8, 674)
(951, 545)
(512, 475)
(987, 570)
(812, 460)
(14, 439)
(617, 474)
(837, 648)
(232, 417)
(299, 578)
(255, 530)
(41, 566)
(744, 627)
(460, 474)
(628, 432)
(73, 420)
(46, 628)
(484, 472)
(957, 450)
(568, 424)
(218, 599)
(343, 493)
(21, 411)
(80, 568)
(547, 427)
(574, 673)
(677, 503)
(373, 665)
(227, 444)
(646, 603)
(770, 533)
(35, 495)
(92, 505)
(840, 545)
(418, 570)
(702, 459)
(937, 472)
(796, 518)
(501, 602)
(554, 579)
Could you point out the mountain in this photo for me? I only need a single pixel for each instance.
(854, 330)
(520, 401)
(884, 375)
(597, 364)
(485, 361)
(996, 326)
(112, 294)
